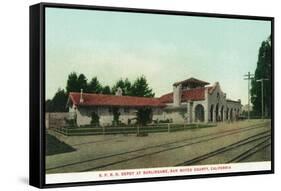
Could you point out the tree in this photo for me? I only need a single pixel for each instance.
(76, 83)
(140, 88)
(95, 119)
(125, 85)
(94, 86)
(72, 83)
(263, 71)
(58, 103)
(82, 83)
(49, 105)
(144, 116)
(106, 90)
(116, 115)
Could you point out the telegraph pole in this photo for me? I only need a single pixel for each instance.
(262, 80)
(249, 77)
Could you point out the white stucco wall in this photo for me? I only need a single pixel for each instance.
(183, 113)
(175, 116)
(217, 97)
(204, 103)
(157, 114)
(223, 104)
(177, 92)
(236, 109)
(127, 114)
(83, 116)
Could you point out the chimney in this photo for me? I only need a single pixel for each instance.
(177, 95)
(206, 93)
(81, 96)
(119, 92)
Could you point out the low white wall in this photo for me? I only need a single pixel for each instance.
(106, 116)
(55, 119)
(176, 117)
(83, 116)
(106, 120)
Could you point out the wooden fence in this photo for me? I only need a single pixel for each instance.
(77, 131)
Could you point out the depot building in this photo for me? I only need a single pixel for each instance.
(191, 101)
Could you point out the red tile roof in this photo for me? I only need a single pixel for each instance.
(192, 95)
(167, 98)
(192, 81)
(91, 99)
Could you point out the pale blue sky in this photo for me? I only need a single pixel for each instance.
(164, 48)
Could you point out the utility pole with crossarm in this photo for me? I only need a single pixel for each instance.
(249, 77)
(262, 80)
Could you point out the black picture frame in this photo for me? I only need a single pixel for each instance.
(37, 93)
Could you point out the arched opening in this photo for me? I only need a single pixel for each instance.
(199, 113)
(211, 113)
(217, 112)
(235, 114)
(231, 114)
(222, 110)
(227, 113)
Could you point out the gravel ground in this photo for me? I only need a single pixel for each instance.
(89, 148)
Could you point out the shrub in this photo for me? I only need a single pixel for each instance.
(70, 122)
(95, 119)
(164, 121)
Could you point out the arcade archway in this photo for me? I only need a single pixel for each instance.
(199, 113)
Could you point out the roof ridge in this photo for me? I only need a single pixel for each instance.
(191, 79)
(111, 95)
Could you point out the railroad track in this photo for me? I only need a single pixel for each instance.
(253, 150)
(162, 148)
(263, 136)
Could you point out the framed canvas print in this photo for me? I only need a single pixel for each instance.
(128, 95)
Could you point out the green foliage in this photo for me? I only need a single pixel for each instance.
(165, 121)
(72, 83)
(116, 115)
(58, 103)
(75, 83)
(144, 116)
(95, 119)
(263, 71)
(94, 86)
(125, 85)
(48, 105)
(140, 88)
(70, 122)
(82, 82)
(106, 90)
